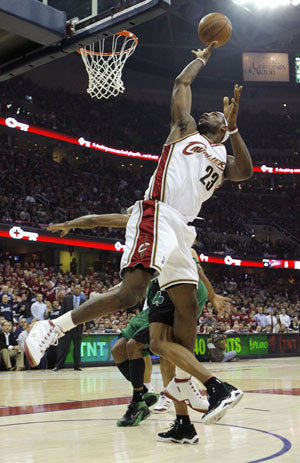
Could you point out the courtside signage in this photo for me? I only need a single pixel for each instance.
(12, 123)
(96, 348)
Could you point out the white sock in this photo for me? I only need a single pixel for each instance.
(181, 374)
(64, 322)
(149, 387)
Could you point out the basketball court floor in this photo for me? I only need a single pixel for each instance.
(71, 416)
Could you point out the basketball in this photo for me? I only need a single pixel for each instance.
(214, 26)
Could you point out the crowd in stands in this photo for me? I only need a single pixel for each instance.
(258, 306)
(143, 130)
(36, 191)
(31, 291)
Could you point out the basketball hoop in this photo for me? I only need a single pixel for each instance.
(105, 67)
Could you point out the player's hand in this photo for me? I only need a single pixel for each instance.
(59, 226)
(205, 54)
(231, 110)
(221, 303)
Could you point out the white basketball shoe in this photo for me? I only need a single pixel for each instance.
(163, 404)
(42, 335)
(185, 390)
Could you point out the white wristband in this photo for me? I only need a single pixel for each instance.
(202, 60)
(233, 131)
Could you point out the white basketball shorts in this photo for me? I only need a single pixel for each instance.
(158, 238)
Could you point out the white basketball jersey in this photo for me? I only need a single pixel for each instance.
(187, 174)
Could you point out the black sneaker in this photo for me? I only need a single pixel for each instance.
(179, 434)
(237, 394)
(136, 412)
(150, 398)
(219, 403)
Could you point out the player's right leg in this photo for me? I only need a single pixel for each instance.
(137, 410)
(162, 344)
(182, 430)
(222, 396)
(46, 333)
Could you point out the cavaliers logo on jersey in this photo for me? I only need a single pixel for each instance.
(194, 147)
(198, 147)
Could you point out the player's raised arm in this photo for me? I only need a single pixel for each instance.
(181, 101)
(91, 221)
(239, 166)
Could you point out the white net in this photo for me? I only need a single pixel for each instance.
(104, 67)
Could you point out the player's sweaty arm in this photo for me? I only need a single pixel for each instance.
(182, 122)
(91, 221)
(219, 302)
(239, 166)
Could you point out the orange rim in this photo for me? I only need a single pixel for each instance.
(124, 34)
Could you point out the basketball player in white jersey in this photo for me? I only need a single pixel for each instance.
(159, 239)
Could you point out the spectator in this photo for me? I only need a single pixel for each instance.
(115, 326)
(9, 349)
(23, 334)
(260, 317)
(5, 308)
(282, 329)
(271, 320)
(107, 326)
(20, 326)
(295, 324)
(68, 304)
(96, 292)
(6, 292)
(73, 266)
(39, 309)
(258, 329)
(209, 320)
(55, 310)
(285, 319)
(24, 305)
(50, 292)
(268, 329)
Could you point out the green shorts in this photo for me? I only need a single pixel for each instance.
(138, 329)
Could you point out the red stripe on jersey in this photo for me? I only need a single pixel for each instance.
(143, 250)
(156, 191)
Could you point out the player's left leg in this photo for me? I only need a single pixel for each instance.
(162, 345)
(119, 353)
(137, 409)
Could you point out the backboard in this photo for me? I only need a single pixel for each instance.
(45, 30)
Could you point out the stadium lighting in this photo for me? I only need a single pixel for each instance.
(260, 4)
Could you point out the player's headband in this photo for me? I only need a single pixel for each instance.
(226, 135)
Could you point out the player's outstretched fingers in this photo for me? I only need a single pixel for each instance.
(212, 45)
